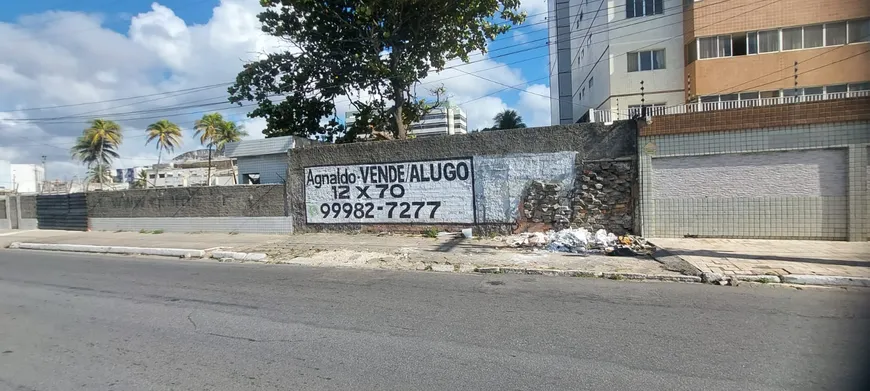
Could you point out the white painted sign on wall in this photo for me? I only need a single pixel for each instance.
(433, 191)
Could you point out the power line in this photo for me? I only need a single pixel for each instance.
(485, 58)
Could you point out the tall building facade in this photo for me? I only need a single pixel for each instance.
(603, 52)
(444, 119)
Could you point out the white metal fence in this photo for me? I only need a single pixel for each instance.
(608, 116)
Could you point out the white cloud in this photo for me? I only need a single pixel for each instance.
(536, 11)
(70, 58)
(534, 105)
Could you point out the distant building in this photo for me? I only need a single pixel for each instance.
(263, 161)
(21, 178)
(445, 119)
(187, 169)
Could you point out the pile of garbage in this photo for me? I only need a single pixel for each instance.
(581, 241)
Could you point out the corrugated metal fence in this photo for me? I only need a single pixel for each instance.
(65, 212)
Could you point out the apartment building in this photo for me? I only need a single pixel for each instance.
(444, 119)
(745, 50)
(710, 51)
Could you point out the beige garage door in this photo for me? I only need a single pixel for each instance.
(781, 195)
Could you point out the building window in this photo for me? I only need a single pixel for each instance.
(859, 87)
(836, 89)
(835, 34)
(646, 60)
(859, 31)
(725, 46)
(768, 41)
(752, 43)
(769, 94)
(707, 47)
(814, 36)
(638, 8)
(163, 175)
(591, 79)
(792, 38)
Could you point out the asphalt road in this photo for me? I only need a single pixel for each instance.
(73, 322)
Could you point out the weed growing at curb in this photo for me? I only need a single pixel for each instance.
(430, 232)
(157, 231)
(143, 231)
(616, 277)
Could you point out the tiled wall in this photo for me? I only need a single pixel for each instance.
(807, 181)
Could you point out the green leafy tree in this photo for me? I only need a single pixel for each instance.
(342, 47)
(97, 147)
(507, 119)
(167, 136)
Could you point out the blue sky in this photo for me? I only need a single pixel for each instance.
(100, 50)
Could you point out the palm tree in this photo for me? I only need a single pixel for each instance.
(230, 132)
(508, 119)
(98, 145)
(142, 181)
(168, 136)
(98, 174)
(208, 128)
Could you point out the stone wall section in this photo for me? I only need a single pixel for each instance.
(603, 196)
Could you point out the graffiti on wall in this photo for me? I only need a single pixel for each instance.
(435, 191)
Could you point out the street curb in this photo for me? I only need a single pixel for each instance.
(239, 256)
(86, 248)
(583, 273)
(826, 280)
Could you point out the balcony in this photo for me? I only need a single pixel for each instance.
(608, 116)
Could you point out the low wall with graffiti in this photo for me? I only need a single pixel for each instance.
(501, 181)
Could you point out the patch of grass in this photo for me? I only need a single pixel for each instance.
(143, 231)
(616, 277)
(234, 233)
(120, 230)
(430, 232)
(157, 231)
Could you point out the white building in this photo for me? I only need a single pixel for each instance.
(600, 51)
(445, 119)
(21, 178)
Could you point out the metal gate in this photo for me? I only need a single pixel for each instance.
(65, 211)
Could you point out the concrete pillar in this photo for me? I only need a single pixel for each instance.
(858, 197)
(647, 208)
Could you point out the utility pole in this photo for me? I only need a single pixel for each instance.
(44, 174)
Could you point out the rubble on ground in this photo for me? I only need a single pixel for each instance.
(580, 240)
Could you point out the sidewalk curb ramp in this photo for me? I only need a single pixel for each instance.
(86, 248)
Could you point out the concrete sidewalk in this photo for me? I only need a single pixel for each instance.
(193, 241)
(783, 258)
(392, 252)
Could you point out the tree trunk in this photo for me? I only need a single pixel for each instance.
(399, 102)
(208, 178)
(100, 166)
(157, 167)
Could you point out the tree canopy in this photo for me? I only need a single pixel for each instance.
(508, 119)
(348, 48)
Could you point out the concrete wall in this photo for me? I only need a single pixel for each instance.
(791, 182)
(4, 215)
(254, 209)
(272, 168)
(506, 164)
(27, 207)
